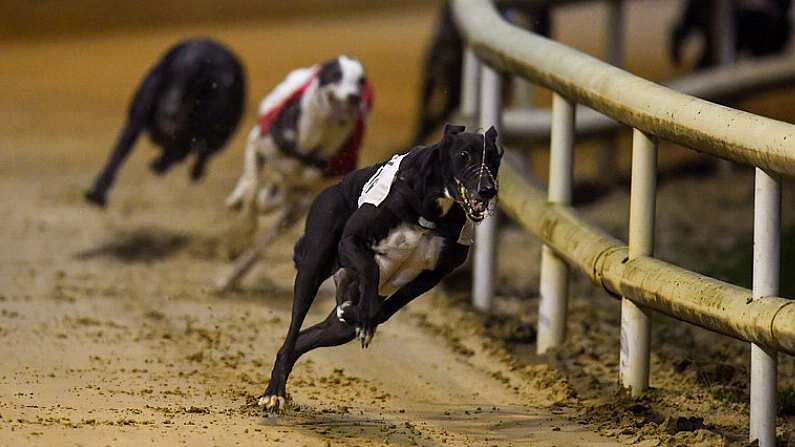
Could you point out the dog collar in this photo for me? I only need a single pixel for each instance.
(425, 223)
(466, 237)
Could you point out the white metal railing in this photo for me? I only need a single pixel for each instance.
(654, 112)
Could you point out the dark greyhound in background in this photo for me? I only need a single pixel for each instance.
(440, 93)
(191, 101)
(387, 233)
(762, 27)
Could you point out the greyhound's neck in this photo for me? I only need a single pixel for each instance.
(312, 104)
(435, 201)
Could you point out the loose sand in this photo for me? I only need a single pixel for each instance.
(111, 335)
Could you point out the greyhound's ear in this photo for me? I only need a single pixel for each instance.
(452, 129)
(491, 134)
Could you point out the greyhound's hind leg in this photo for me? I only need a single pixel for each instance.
(307, 283)
(329, 332)
(171, 154)
(98, 192)
(315, 257)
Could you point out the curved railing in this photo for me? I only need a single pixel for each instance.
(654, 112)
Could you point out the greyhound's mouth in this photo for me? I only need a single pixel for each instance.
(341, 111)
(475, 209)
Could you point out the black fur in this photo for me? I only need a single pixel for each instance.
(191, 101)
(758, 32)
(339, 236)
(284, 132)
(330, 72)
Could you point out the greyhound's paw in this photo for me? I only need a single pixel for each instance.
(223, 284)
(95, 198)
(273, 403)
(365, 335)
(346, 312)
(234, 201)
(160, 165)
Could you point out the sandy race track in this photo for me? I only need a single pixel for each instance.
(110, 333)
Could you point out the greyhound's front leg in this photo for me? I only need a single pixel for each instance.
(357, 256)
(247, 187)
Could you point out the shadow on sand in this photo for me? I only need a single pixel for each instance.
(140, 245)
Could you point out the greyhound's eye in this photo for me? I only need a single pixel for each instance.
(362, 81)
(463, 155)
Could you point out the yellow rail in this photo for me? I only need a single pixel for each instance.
(637, 102)
(688, 296)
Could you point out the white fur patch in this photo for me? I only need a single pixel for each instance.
(405, 252)
(294, 80)
(352, 71)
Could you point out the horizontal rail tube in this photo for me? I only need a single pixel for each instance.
(724, 84)
(629, 99)
(697, 299)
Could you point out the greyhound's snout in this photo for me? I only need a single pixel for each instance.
(487, 191)
(354, 99)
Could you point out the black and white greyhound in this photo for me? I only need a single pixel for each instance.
(309, 130)
(191, 101)
(387, 233)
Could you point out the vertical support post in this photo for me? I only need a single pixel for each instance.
(470, 85)
(554, 271)
(521, 89)
(635, 320)
(725, 32)
(723, 48)
(615, 33)
(767, 240)
(614, 55)
(485, 233)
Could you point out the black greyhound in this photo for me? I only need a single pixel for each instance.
(388, 233)
(191, 101)
(440, 93)
(761, 28)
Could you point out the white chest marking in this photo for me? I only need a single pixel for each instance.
(405, 252)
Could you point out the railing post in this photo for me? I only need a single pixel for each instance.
(521, 89)
(614, 55)
(723, 48)
(635, 320)
(485, 233)
(767, 239)
(470, 85)
(725, 32)
(615, 32)
(554, 286)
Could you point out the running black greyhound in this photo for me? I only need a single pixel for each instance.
(191, 101)
(762, 27)
(388, 233)
(440, 93)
